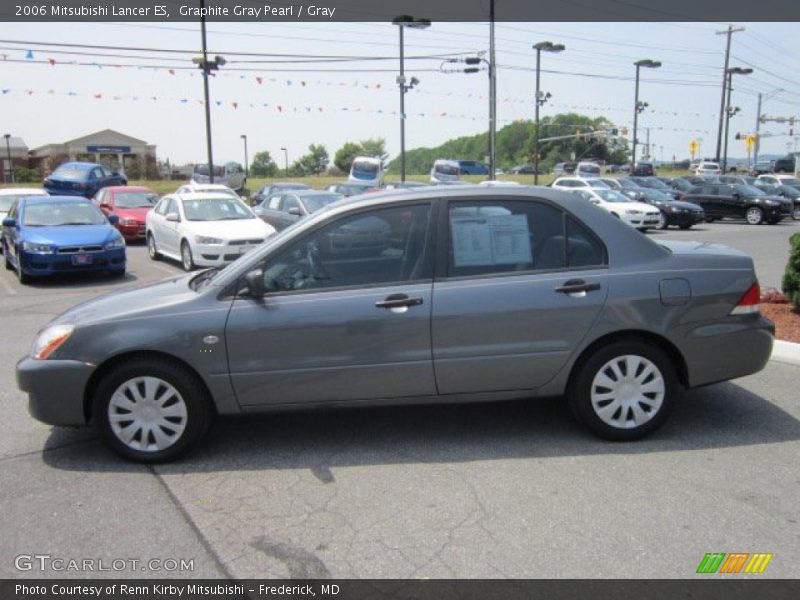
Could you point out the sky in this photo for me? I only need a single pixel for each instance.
(278, 104)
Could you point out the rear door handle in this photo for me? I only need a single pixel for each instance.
(576, 286)
(398, 301)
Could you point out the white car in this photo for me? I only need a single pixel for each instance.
(203, 229)
(636, 214)
(10, 195)
(569, 184)
(201, 188)
(779, 180)
(707, 168)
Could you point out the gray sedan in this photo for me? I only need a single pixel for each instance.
(437, 295)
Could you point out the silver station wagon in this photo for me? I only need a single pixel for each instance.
(430, 296)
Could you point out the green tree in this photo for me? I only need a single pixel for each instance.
(316, 161)
(343, 159)
(375, 147)
(263, 165)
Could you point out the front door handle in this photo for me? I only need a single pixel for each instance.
(576, 286)
(398, 301)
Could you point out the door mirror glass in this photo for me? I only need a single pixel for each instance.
(295, 211)
(255, 283)
(113, 219)
(9, 222)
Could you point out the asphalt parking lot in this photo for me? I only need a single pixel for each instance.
(499, 490)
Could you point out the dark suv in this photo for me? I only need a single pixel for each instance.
(739, 202)
(784, 165)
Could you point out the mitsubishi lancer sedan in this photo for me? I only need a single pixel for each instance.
(432, 296)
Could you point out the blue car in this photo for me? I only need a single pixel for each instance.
(81, 179)
(60, 234)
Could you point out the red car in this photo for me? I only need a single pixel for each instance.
(131, 204)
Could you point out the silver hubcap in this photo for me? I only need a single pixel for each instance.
(147, 414)
(662, 221)
(754, 216)
(627, 391)
(187, 257)
(151, 245)
(796, 214)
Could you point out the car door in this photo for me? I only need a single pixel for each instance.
(289, 203)
(518, 285)
(166, 231)
(346, 314)
(270, 212)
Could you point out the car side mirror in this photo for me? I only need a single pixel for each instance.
(295, 211)
(105, 205)
(9, 222)
(113, 219)
(255, 283)
(173, 217)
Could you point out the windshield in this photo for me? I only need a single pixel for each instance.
(203, 170)
(709, 166)
(627, 184)
(612, 196)
(71, 173)
(750, 191)
(202, 190)
(594, 169)
(216, 209)
(598, 183)
(364, 170)
(682, 184)
(790, 189)
(792, 181)
(317, 201)
(446, 169)
(135, 199)
(54, 214)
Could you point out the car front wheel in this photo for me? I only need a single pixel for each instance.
(152, 249)
(151, 410)
(187, 260)
(624, 390)
(796, 213)
(754, 216)
(662, 221)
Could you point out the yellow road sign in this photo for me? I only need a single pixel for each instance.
(693, 146)
(750, 141)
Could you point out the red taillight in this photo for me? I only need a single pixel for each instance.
(749, 303)
(79, 186)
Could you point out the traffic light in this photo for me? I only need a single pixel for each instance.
(738, 136)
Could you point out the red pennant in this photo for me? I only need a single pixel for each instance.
(260, 80)
(172, 71)
(280, 108)
(52, 61)
(30, 92)
(303, 83)
(377, 86)
(98, 96)
(444, 114)
(235, 104)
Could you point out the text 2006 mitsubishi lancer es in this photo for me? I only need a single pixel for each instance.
(439, 295)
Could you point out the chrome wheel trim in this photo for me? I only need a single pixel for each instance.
(186, 256)
(662, 220)
(147, 414)
(796, 213)
(627, 391)
(754, 215)
(151, 246)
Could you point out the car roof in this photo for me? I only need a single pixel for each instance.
(207, 186)
(128, 188)
(304, 193)
(78, 165)
(199, 196)
(60, 199)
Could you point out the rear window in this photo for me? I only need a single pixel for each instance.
(203, 170)
(72, 173)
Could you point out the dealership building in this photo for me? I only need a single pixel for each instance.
(111, 148)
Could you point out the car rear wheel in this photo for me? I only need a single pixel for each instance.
(9, 266)
(685, 226)
(21, 275)
(624, 390)
(754, 215)
(152, 249)
(151, 410)
(186, 256)
(796, 213)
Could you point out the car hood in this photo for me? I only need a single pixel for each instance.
(230, 230)
(132, 213)
(132, 302)
(70, 235)
(684, 205)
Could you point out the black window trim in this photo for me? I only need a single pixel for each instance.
(443, 233)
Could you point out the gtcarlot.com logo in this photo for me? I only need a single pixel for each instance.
(47, 562)
(733, 563)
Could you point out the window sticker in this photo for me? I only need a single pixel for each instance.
(491, 240)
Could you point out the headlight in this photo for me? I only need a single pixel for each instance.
(128, 222)
(674, 209)
(115, 243)
(633, 212)
(202, 239)
(37, 248)
(50, 339)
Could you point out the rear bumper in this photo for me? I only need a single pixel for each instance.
(55, 389)
(723, 351)
(131, 233)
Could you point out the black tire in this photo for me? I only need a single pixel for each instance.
(582, 381)
(685, 226)
(152, 249)
(198, 417)
(21, 276)
(710, 219)
(663, 221)
(796, 213)
(187, 260)
(9, 266)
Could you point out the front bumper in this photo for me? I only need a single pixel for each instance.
(133, 232)
(49, 264)
(55, 389)
(685, 218)
(214, 255)
(643, 220)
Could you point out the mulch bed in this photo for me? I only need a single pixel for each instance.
(786, 318)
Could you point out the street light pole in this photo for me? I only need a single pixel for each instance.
(402, 22)
(246, 168)
(10, 162)
(540, 99)
(492, 97)
(730, 111)
(639, 106)
(286, 160)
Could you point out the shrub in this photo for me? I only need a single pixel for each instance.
(791, 277)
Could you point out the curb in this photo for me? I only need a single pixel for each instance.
(786, 352)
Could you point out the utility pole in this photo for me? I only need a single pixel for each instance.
(492, 96)
(758, 127)
(729, 32)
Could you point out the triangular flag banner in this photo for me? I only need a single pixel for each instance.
(219, 102)
(6, 90)
(235, 104)
(98, 96)
(29, 55)
(260, 80)
(172, 71)
(280, 108)
(52, 61)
